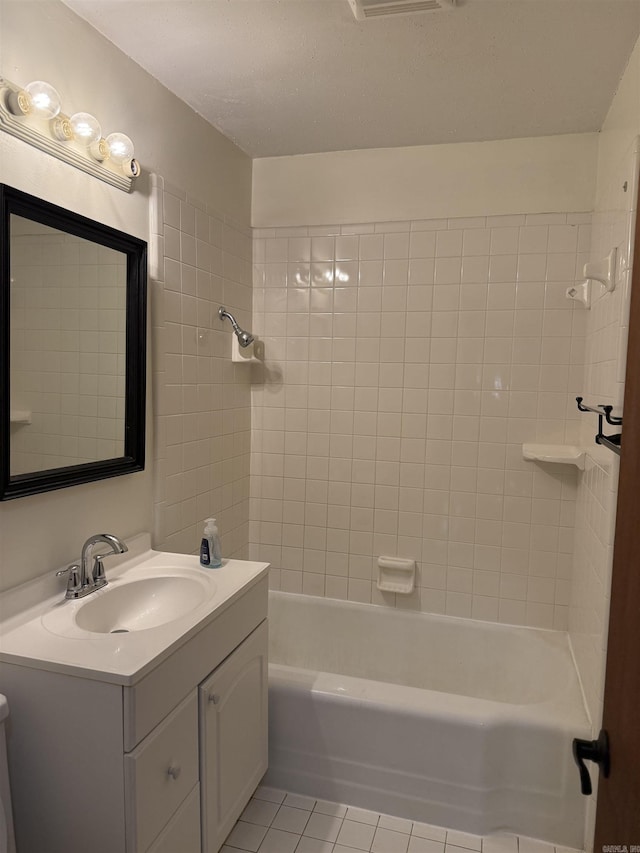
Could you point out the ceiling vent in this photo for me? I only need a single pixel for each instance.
(363, 10)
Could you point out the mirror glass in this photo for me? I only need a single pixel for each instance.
(73, 294)
(67, 357)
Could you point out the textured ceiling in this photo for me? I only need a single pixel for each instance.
(300, 76)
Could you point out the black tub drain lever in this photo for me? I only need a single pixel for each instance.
(591, 750)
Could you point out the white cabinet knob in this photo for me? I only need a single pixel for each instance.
(214, 698)
(174, 771)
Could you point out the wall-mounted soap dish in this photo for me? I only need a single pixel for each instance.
(603, 271)
(396, 574)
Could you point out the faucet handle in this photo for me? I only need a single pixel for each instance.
(73, 584)
(99, 577)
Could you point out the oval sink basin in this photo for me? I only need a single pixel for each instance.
(140, 604)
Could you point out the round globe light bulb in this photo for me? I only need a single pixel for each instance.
(120, 147)
(45, 101)
(86, 127)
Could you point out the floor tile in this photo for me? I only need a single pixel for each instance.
(324, 827)
(260, 812)
(397, 824)
(388, 841)
(276, 821)
(358, 835)
(464, 839)
(277, 841)
(333, 809)
(427, 830)
(500, 844)
(247, 836)
(314, 845)
(451, 848)
(298, 802)
(273, 795)
(532, 845)
(362, 816)
(291, 820)
(425, 845)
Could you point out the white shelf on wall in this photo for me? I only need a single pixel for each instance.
(558, 454)
(18, 416)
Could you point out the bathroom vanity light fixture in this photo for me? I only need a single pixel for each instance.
(34, 114)
(363, 10)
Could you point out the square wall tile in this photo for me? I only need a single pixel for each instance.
(447, 345)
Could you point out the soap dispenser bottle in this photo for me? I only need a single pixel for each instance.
(210, 549)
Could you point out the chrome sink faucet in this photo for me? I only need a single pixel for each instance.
(82, 581)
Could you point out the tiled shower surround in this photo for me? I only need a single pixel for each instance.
(405, 365)
(200, 260)
(605, 358)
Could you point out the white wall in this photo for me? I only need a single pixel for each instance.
(202, 411)
(408, 357)
(621, 125)
(537, 175)
(406, 363)
(45, 40)
(605, 357)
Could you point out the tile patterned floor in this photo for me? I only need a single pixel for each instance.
(279, 822)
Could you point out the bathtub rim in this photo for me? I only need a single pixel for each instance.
(560, 713)
(442, 618)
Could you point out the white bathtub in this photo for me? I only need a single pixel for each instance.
(447, 721)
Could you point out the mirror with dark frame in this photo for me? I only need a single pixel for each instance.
(73, 348)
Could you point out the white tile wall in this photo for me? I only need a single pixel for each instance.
(202, 407)
(67, 349)
(406, 363)
(605, 360)
(590, 590)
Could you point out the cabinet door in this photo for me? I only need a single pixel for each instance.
(233, 732)
(183, 830)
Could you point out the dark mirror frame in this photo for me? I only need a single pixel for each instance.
(13, 201)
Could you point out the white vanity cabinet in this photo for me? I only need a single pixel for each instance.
(164, 764)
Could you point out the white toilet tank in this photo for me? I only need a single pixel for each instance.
(7, 840)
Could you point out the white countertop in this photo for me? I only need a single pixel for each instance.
(44, 634)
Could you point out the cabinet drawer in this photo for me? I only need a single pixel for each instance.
(160, 773)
